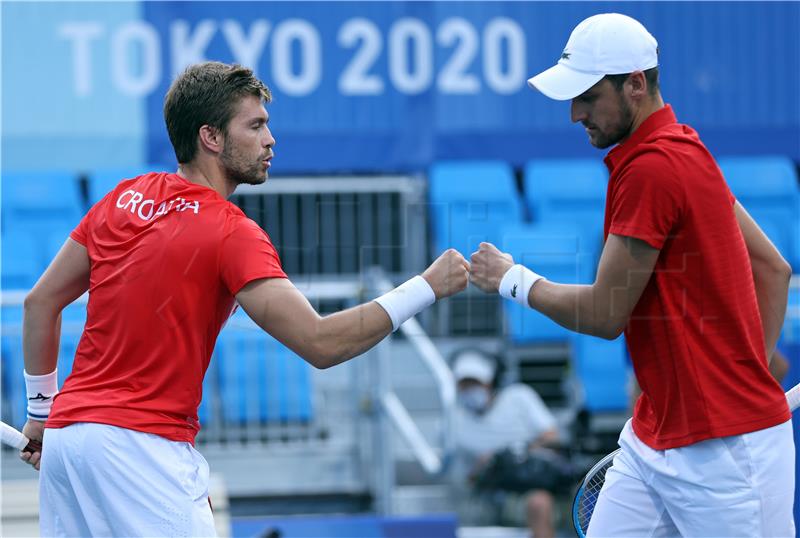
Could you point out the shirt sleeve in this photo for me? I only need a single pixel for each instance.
(81, 231)
(647, 200)
(248, 254)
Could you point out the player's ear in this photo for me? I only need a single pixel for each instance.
(211, 139)
(637, 84)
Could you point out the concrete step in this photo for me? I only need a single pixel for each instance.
(416, 500)
(306, 470)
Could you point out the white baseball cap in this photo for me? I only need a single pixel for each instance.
(473, 365)
(605, 44)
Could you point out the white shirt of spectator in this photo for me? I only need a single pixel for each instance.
(517, 415)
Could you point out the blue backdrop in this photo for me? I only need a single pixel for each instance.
(393, 86)
(379, 86)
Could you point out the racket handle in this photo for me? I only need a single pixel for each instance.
(12, 437)
(33, 446)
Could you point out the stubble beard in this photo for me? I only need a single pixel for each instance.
(619, 131)
(239, 171)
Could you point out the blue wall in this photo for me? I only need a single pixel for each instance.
(436, 80)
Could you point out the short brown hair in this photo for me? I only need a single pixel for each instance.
(650, 75)
(206, 94)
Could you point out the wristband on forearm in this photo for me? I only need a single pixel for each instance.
(40, 390)
(516, 284)
(407, 300)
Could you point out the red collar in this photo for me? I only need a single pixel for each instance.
(656, 120)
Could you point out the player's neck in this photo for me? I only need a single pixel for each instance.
(648, 108)
(207, 174)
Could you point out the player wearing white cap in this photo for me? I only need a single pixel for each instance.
(700, 293)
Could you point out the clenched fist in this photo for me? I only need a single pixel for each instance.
(488, 267)
(448, 274)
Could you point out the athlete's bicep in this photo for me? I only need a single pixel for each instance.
(625, 268)
(279, 308)
(66, 279)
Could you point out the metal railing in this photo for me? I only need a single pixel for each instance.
(431, 461)
(393, 412)
(342, 225)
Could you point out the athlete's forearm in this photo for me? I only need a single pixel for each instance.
(772, 291)
(581, 308)
(349, 333)
(281, 310)
(41, 332)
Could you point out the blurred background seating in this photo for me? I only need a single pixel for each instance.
(379, 167)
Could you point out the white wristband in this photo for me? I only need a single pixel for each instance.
(407, 300)
(40, 390)
(517, 283)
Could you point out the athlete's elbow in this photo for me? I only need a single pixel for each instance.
(783, 270)
(774, 268)
(611, 330)
(322, 356)
(318, 359)
(36, 301)
(612, 335)
(320, 364)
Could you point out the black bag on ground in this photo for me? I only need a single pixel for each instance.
(540, 468)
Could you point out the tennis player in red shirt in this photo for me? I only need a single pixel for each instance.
(700, 293)
(165, 257)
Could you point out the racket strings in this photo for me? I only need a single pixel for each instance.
(589, 495)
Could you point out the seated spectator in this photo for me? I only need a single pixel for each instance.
(493, 428)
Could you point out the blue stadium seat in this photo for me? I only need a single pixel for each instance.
(52, 243)
(37, 200)
(567, 190)
(103, 181)
(559, 253)
(39, 206)
(470, 202)
(28, 252)
(260, 380)
(21, 264)
(601, 369)
(768, 189)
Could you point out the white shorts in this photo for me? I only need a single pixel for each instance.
(100, 480)
(741, 485)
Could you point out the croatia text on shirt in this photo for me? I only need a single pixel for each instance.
(131, 199)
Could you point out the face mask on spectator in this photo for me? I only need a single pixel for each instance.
(474, 399)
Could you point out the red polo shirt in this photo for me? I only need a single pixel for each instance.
(695, 336)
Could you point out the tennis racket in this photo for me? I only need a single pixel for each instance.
(589, 491)
(13, 437)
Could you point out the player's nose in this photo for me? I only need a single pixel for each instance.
(577, 112)
(269, 140)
